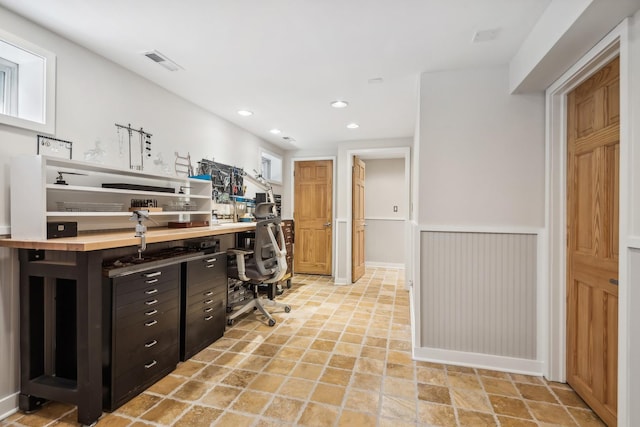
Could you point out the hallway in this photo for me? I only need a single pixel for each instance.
(341, 357)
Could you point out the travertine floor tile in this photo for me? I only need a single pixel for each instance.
(342, 357)
(165, 412)
(317, 415)
(329, 394)
(199, 416)
(437, 415)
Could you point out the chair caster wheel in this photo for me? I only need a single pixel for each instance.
(287, 309)
(272, 322)
(230, 322)
(229, 309)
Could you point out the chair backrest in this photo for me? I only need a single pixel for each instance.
(269, 250)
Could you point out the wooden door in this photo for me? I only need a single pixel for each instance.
(593, 145)
(357, 220)
(313, 207)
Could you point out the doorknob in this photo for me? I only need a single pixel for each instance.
(327, 224)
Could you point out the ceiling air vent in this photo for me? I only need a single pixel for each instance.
(162, 60)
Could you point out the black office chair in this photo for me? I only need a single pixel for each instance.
(265, 264)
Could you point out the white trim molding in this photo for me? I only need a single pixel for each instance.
(479, 360)
(5, 230)
(340, 279)
(393, 265)
(479, 229)
(8, 405)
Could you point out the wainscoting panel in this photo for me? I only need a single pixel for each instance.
(478, 292)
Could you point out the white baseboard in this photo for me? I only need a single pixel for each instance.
(8, 405)
(373, 264)
(340, 281)
(478, 360)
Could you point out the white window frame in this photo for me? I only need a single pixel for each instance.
(9, 86)
(274, 174)
(34, 99)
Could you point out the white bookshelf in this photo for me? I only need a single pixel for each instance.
(36, 198)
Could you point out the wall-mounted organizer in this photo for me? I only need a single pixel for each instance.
(136, 154)
(227, 186)
(227, 180)
(54, 147)
(98, 197)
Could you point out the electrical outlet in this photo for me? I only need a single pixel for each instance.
(395, 208)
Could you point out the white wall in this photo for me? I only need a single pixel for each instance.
(481, 170)
(385, 188)
(92, 95)
(481, 151)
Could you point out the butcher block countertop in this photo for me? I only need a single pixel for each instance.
(109, 240)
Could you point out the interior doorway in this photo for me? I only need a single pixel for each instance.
(552, 337)
(357, 219)
(387, 210)
(593, 186)
(312, 215)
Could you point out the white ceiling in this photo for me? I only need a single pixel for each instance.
(286, 60)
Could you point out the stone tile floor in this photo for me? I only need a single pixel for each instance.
(342, 357)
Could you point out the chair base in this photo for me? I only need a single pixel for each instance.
(258, 303)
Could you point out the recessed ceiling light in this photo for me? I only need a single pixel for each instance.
(245, 113)
(275, 131)
(339, 104)
(353, 126)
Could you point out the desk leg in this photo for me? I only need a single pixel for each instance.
(89, 317)
(39, 379)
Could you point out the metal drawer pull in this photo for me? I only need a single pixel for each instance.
(210, 260)
(208, 309)
(208, 294)
(151, 281)
(150, 365)
(150, 323)
(151, 291)
(151, 302)
(613, 281)
(208, 318)
(211, 265)
(154, 274)
(151, 344)
(209, 301)
(151, 312)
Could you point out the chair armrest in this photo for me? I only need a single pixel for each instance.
(239, 254)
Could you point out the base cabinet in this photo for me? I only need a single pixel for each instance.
(141, 326)
(204, 301)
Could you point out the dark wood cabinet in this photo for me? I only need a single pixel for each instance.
(141, 327)
(287, 230)
(204, 301)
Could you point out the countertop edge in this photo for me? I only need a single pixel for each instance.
(119, 239)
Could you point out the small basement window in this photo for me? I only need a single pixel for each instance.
(271, 166)
(8, 87)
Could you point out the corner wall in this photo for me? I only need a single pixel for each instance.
(481, 184)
